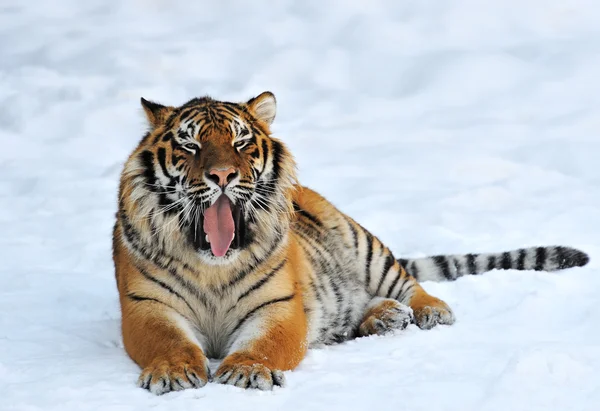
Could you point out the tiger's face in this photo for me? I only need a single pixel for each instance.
(210, 173)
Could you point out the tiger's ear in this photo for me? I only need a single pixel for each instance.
(157, 114)
(263, 107)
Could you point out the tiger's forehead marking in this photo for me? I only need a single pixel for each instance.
(211, 111)
(194, 125)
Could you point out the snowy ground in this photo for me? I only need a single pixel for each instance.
(471, 125)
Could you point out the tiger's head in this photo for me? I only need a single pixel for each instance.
(207, 178)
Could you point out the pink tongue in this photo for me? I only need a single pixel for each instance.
(219, 226)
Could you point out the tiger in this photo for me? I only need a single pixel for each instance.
(220, 253)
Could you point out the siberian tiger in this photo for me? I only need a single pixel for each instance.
(220, 253)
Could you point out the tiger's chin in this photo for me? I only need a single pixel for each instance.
(209, 258)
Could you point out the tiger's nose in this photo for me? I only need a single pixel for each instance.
(222, 176)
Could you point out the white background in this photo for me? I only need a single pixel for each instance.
(442, 126)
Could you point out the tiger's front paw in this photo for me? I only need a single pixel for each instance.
(175, 373)
(433, 312)
(246, 373)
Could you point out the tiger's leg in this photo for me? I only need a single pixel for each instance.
(384, 315)
(156, 334)
(271, 339)
(379, 271)
(385, 277)
(428, 310)
(160, 341)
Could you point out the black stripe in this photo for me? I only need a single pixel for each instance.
(491, 263)
(540, 258)
(175, 158)
(167, 136)
(368, 259)
(506, 262)
(403, 262)
(402, 291)
(442, 264)
(389, 261)
(185, 114)
(263, 280)
(256, 132)
(348, 318)
(136, 297)
(471, 264)
(391, 287)
(521, 260)
(163, 203)
(319, 297)
(201, 191)
(561, 258)
(255, 309)
(233, 113)
(265, 153)
(414, 270)
(164, 285)
(162, 157)
(183, 134)
(132, 236)
(339, 299)
(243, 130)
(147, 160)
(277, 157)
(354, 234)
(233, 108)
(254, 153)
(306, 214)
(140, 298)
(169, 124)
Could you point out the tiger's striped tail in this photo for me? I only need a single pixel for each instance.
(450, 267)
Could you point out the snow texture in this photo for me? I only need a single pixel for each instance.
(443, 127)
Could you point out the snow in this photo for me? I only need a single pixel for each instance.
(444, 127)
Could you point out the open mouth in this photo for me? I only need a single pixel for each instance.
(220, 228)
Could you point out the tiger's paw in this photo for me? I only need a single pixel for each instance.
(385, 315)
(249, 374)
(174, 374)
(433, 312)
